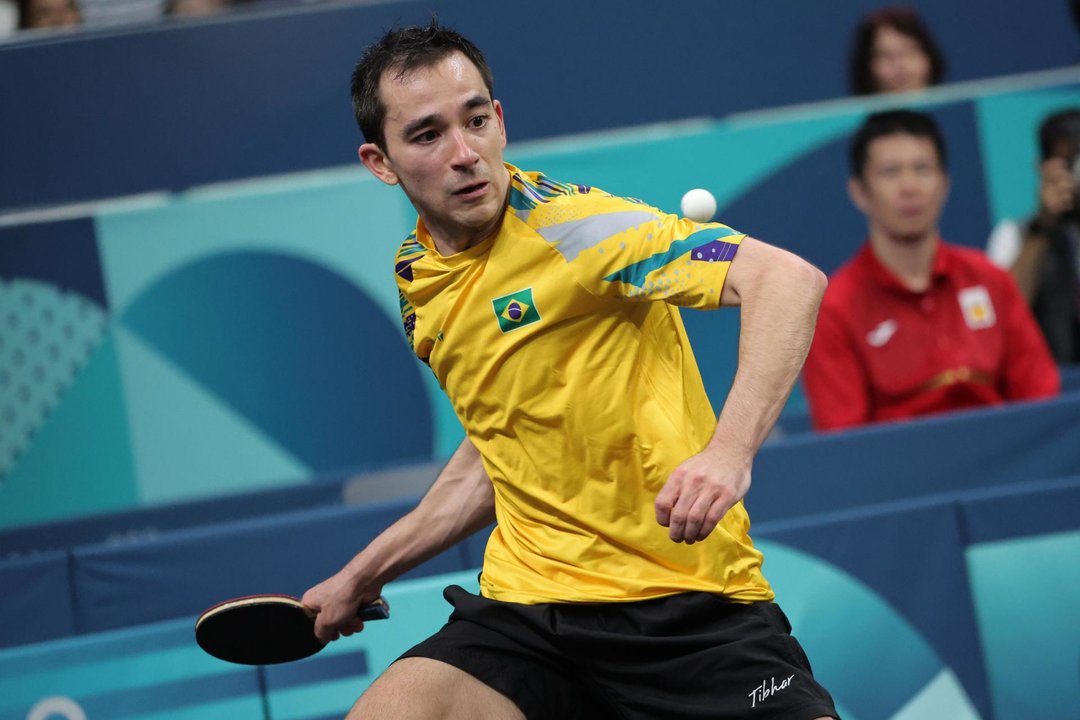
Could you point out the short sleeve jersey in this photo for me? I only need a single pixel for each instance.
(560, 347)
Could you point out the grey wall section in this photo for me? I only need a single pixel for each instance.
(102, 115)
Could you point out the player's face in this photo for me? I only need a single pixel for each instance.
(444, 145)
(903, 187)
(898, 62)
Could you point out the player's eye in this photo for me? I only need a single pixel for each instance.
(427, 136)
(479, 121)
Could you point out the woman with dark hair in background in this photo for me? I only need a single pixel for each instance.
(894, 52)
(36, 14)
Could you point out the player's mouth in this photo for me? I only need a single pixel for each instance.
(473, 191)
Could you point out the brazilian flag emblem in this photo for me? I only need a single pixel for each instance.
(515, 310)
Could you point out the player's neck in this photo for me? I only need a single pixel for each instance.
(452, 239)
(910, 259)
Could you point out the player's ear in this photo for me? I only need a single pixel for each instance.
(377, 161)
(502, 120)
(857, 192)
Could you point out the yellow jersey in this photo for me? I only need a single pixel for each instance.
(560, 347)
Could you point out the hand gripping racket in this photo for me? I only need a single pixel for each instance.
(266, 629)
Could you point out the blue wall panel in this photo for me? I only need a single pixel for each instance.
(812, 474)
(185, 572)
(111, 114)
(36, 599)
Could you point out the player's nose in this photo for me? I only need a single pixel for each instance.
(464, 154)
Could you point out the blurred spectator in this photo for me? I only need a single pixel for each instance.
(911, 325)
(894, 52)
(195, 8)
(1043, 252)
(49, 14)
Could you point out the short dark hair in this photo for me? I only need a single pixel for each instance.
(893, 122)
(1062, 125)
(402, 51)
(905, 21)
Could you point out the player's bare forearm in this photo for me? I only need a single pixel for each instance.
(778, 294)
(460, 502)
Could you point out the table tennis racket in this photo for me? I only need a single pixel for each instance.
(266, 629)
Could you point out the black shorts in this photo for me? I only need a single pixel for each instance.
(694, 655)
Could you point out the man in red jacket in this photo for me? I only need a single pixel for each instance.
(912, 325)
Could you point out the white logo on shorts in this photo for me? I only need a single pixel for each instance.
(768, 688)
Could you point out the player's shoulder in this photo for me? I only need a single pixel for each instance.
(540, 200)
(408, 253)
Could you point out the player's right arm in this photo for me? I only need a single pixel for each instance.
(460, 502)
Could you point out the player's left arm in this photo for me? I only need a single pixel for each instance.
(778, 294)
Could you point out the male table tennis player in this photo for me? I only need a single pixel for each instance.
(620, 581)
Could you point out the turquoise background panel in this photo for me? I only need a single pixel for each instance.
(1026, 593)
(80, 459)
(1008, 127)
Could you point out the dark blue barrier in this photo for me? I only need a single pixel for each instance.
(184, 572)
(880, 597)
(102, 115)
(36, 601)
(143, 523)
(1034, 508)
(140, 524)
(815, 474)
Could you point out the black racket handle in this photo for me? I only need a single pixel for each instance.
(379, 609)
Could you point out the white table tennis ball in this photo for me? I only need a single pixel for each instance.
(699, 205)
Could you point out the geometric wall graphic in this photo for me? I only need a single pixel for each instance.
(187, 442)
(80, 459)
(295, 348)
(46, 336)
(925, 583)
(1025, 600)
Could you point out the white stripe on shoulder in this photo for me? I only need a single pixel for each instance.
(573, 237)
